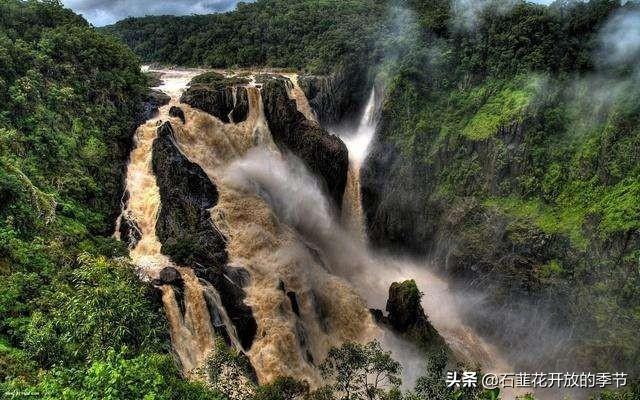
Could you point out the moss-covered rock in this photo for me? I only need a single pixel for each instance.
(187, 233)
(223, 97)
(407, 316)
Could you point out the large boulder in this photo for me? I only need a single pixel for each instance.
(187, 233)
(176, 112)
(215, 101)
(323, 153)
(171, 276)
(219, 96)
(407, 316)
(154, 100)
(241, 107)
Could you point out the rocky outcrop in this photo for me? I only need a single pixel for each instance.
(215, 101)
(406, 316)
(176, 112)
(171, 276)
(187, 233)
(221, 97)
(129, 231)
(324, 154)
(184, 225)
(155, 99)
(338, 97)
(230, 282)
(241, 108)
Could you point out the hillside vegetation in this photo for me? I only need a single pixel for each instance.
(75, 321)
(311, 35)
(510, 150)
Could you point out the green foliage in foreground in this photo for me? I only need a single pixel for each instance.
(115, 377)
(75, 321)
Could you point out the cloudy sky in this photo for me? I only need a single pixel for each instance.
(104, 12)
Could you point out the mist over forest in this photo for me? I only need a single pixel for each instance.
(318, 200)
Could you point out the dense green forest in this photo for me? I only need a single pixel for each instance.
(75, 321)
(509, 148)
(311, 35)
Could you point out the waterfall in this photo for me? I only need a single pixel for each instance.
(311, 279)
(358, 143)
(292, 338)
(191, 331)
(287, 343)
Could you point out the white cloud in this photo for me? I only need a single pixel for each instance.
(104, 12)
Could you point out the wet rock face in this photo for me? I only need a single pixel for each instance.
(338, 97)
(215, 101)
(219, 101)
(324, 154)
(403, 305)
(241, 109)
(176, 112)
(184, 225)
(129, 232)
(407, 316)
(171, 276)
(187, 233)
(155, 99)
(229, 282)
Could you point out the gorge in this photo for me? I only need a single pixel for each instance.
(320, 200)
(275, 268)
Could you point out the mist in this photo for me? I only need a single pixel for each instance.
(298, 200)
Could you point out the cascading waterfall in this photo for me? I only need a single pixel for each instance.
(358, 143)
(191, 331)
(281, 265)
(286, 344)
(280, 228)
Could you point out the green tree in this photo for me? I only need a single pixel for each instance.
(361, 371)
(283, 388)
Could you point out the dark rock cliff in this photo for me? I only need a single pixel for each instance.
(187, 233)
(338, 97)
(220, 101)
(323, 153)
(184, 225)
(406, 316)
